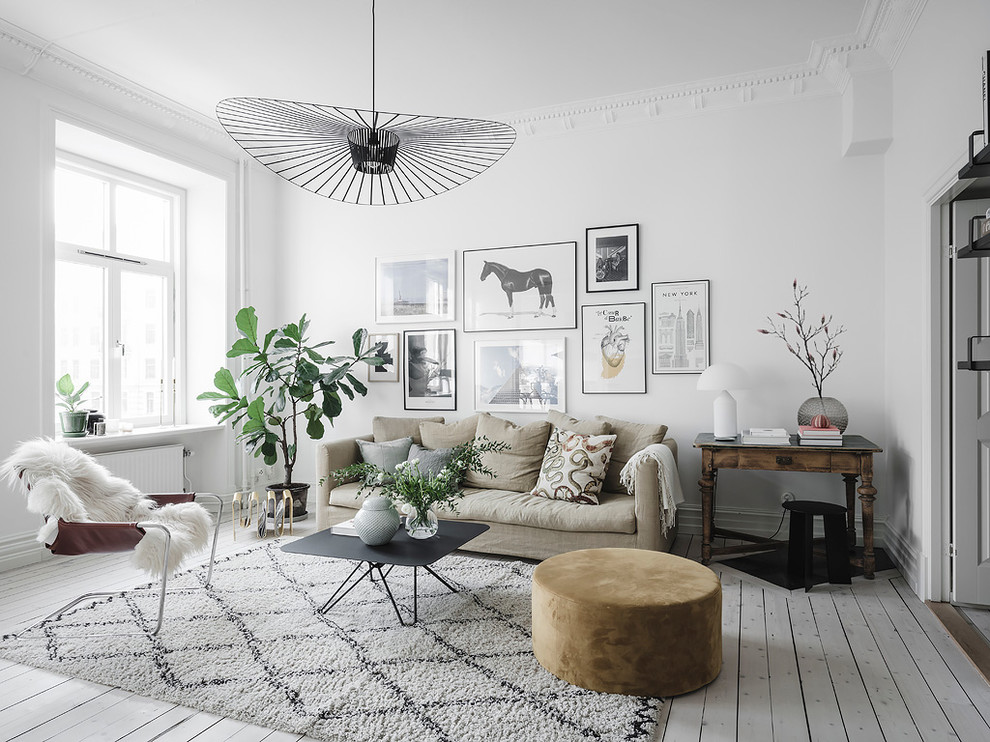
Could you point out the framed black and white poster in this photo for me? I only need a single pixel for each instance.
(612, 258)
(681, 327)
(529, 287)
(519, 375)
(414, 289)
(613, 348)
(430, 357)
(387, 348)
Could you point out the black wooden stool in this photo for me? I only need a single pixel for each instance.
(799, 547)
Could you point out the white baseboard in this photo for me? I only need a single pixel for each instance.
(20, 550)
(760, 522)
(907, 558)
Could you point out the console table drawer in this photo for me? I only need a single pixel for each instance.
(785, 461)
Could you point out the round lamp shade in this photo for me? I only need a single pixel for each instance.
(721, 376)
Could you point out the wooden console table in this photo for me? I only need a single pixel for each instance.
(853, 460)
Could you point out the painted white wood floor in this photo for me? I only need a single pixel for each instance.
(866, 662)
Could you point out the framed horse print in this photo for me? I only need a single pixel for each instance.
(527, 287)
(414, 289)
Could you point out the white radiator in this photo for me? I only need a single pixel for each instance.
(154, 470)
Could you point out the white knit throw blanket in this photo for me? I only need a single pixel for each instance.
(669, 483)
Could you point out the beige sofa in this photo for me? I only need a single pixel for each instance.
(521, 524)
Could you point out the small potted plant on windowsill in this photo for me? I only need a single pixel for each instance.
(73, 420)
(286, 378)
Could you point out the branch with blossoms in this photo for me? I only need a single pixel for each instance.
(814, 344)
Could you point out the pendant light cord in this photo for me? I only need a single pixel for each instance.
(374, 111)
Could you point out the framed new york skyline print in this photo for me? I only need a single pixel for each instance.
(414, 289)
(681, 327)
(612, 258)
(613, 348)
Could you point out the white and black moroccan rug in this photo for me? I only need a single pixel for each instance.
(254, 647)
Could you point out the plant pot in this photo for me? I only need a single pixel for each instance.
(74, 423)
(832, 408)
(299, 494)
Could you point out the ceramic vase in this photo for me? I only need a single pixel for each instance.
(377, 521)
(421, 523)
(832, 408)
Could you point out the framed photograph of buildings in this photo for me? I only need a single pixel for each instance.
(613, 348)
(414, 289)
(681, 327)
(387, 345)
(429, 357)
(519, 375)
(612, 258)
(529, 287)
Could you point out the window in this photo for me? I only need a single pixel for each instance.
(116, 283)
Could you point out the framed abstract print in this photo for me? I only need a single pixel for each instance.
(387, 348)
(519, 375)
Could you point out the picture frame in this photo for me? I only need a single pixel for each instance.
(612, 258)
(520, 375)
(681, 320)
(614, 348)
(418, 288)
(525, 287)
(429, 364)
(389, 352)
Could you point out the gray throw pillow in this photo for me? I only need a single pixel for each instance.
(430, 462)
(385, 456)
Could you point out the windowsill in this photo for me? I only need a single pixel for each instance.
(140, 436)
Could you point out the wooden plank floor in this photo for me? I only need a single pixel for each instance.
(862, 662)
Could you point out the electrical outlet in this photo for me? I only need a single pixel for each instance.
(787, 497)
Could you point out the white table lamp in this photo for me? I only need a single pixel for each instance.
(721, 377)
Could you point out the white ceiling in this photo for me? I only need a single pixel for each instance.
(437, 57)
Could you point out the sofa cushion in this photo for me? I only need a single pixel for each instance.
(616, 513)
(430, 462)
(386, 456)
(631, 438)
(588, 427)
(574, 466)
(518, 468)
(393, 428)
(436, 435)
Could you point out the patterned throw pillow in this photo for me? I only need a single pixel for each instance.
(574, 466)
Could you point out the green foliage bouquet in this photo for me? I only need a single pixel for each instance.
(423, 491)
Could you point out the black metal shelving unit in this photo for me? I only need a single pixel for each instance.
(978, 167)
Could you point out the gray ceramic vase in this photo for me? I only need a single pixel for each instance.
(377, 521)
(832, 408)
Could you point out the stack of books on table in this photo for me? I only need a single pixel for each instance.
(344, 529)
(810, 436)
(765, 437)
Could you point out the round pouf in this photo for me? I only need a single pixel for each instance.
(629, 621)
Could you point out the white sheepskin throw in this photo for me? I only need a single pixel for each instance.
(61, 482)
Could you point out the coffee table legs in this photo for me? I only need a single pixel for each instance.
(372, 567)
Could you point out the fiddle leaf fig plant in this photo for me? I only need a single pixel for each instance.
(287, 380)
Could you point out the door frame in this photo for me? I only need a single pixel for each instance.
(936, 490)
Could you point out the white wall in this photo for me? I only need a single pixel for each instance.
(749, 198)
(936, 106)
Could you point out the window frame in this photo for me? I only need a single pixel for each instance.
(115, 263)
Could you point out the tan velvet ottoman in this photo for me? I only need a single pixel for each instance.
(629, 621)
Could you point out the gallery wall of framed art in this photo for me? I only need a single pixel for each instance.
(535, 288)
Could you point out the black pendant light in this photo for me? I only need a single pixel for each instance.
(364, 157)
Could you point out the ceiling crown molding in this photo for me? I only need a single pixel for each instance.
(27, 55)
(883, 30)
